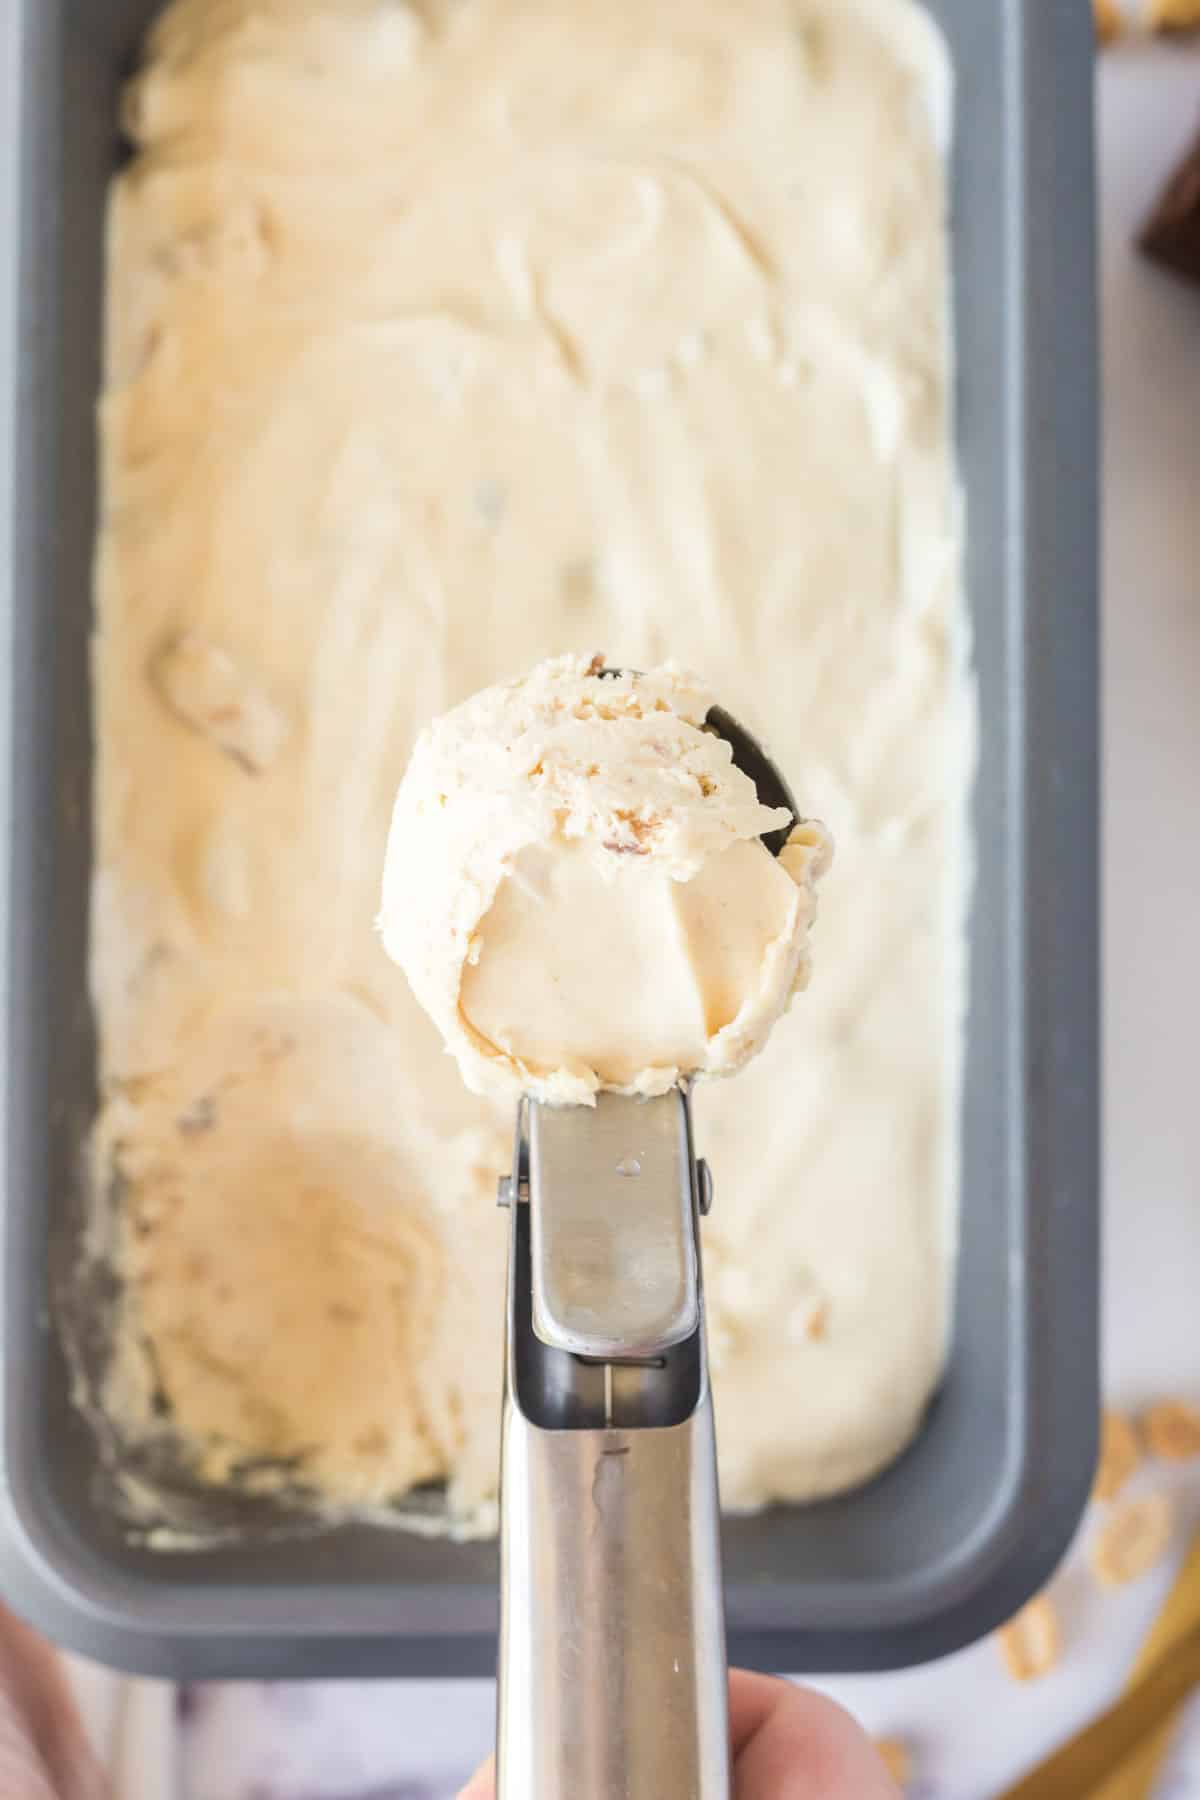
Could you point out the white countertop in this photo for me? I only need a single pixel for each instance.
(973, 1728)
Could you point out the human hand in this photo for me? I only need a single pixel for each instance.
(43, 1752)
(788, 1744)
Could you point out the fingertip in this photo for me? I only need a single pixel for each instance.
(752, 1698)
(789, 1744)
(792, 1743)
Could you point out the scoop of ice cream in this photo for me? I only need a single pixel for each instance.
(576, 888)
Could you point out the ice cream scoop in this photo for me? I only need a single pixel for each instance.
(597, 880)
(578, 887)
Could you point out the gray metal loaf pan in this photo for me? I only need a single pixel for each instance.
(974, 1517)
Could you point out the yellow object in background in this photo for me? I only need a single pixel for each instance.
(1134, 1779)
(1173, 15)
(1120, 1454)
(1110, 21)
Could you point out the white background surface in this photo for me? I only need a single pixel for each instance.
(972, 1728)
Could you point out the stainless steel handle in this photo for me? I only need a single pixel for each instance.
(613, 1680)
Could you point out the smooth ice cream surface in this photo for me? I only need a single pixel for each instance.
(443, 339)
(577, 890)
(631, 976)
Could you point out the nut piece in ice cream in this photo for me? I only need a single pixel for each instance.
(576, 889)
(205, 687)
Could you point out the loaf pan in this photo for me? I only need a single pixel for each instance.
(973, 1518)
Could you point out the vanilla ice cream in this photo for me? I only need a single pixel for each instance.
(576, 888)
(444, 338)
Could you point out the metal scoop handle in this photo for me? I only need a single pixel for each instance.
(612, 1677)
(613, 1682)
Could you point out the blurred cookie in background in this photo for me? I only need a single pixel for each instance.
(1171, 234)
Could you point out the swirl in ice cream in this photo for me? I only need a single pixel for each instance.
(577, 889)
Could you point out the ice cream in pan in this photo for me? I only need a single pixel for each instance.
(599, 888)
(337, 500)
